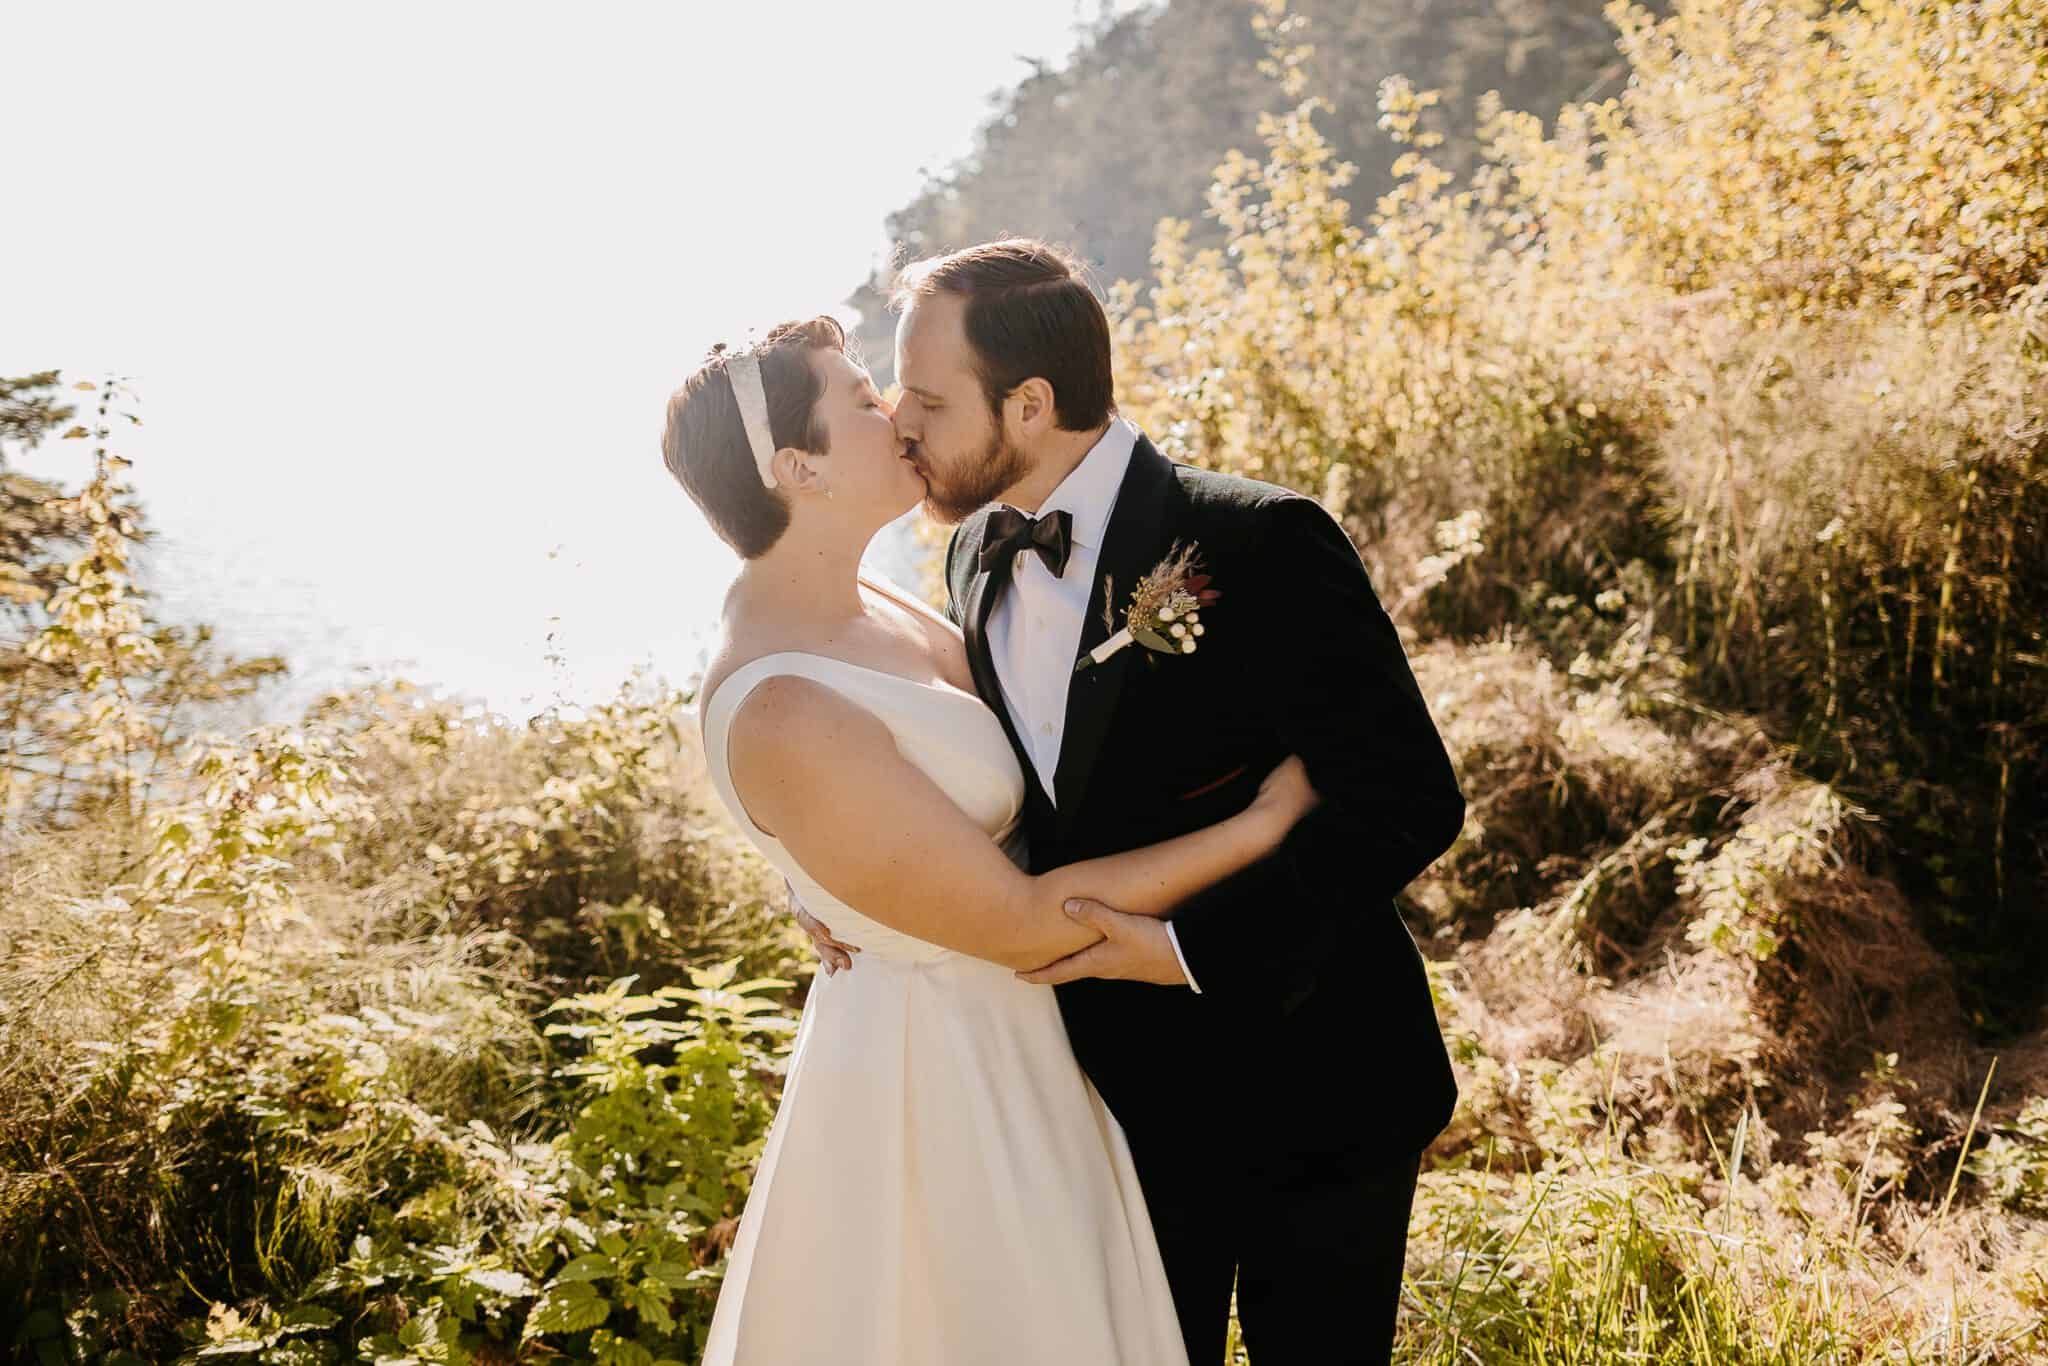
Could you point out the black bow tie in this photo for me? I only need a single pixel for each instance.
(1010, 531)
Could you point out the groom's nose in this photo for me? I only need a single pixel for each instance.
(909, 421)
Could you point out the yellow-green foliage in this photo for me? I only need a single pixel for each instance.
(1803, 153)
(282, 1073)
(1755, 354)
(1702, 444)
(1697, 445)
(257, 1057)
(94, 690)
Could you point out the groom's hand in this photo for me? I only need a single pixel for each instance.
(1133, 948)
(833, 954)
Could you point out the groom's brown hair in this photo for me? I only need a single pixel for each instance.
(1028, 313)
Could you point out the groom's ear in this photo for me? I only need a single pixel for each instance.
(1030, 407)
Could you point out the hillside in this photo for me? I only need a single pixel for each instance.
(1095, 152)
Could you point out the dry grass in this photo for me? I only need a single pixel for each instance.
(1705, 955)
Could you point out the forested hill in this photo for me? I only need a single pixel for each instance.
(1094, 153)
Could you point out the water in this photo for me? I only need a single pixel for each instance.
(506, 658)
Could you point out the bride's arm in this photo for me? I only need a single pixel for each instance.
(1155, 879)
(824, 777)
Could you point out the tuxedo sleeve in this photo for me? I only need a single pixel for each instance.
(1329, 671)
(953, 593)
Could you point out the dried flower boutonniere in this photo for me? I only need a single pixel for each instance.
(1165, 613)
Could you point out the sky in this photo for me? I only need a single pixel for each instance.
(402, 290)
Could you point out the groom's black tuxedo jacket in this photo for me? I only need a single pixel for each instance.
(1314, 1028)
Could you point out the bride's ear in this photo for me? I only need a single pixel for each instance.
(797, 472)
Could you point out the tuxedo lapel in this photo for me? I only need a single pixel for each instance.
(1131, 545)
(981, 600)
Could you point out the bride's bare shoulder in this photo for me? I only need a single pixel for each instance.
(735, 650)
(732, 649)
(740, 639)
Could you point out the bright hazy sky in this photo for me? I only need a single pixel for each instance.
(403, 288)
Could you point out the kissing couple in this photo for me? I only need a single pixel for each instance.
(1133, 1021)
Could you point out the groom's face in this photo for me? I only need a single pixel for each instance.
(956, 442)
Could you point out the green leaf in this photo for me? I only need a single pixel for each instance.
(591, 1266)
(613, 1350)
(461, 1298)
(567, 1309)
(1152, 640)
(675, 1275)
(649, 1300)
(386, 1350)
(760, 984)
(308, 1316)
(508, 1283)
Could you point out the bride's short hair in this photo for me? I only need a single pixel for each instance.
(704, 443)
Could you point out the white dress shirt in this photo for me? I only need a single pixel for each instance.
(1034, 630)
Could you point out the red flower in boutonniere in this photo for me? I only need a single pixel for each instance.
(1165, 611)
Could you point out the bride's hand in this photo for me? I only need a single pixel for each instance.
(1286, 794)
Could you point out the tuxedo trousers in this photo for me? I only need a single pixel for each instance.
(1313, 1242)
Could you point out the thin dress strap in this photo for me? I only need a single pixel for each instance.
(910, 600)
(724, 701)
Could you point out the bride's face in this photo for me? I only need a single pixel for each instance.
(866, 466)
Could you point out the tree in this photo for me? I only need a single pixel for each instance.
(1096, 153)
(96, 692)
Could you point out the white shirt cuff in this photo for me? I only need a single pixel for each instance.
(1181, 958)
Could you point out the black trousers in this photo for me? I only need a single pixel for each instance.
(1314, 1244)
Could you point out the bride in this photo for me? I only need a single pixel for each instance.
(941, 1184)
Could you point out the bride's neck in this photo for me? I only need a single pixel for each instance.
(804, 580)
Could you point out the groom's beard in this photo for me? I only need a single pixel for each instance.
(955, 494)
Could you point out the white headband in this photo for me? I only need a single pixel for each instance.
(745, 373)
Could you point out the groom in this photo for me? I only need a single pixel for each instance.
(1271, 1050)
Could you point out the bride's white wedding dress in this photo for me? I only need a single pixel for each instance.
(941, 1184)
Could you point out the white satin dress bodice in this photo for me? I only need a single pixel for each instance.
(941, 1184)
(948, 734)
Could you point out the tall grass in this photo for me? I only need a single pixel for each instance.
(1697, 446)
(1754, 355)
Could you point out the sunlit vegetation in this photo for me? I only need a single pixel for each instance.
(1698, 439)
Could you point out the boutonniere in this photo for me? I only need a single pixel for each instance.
(1165, 611)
